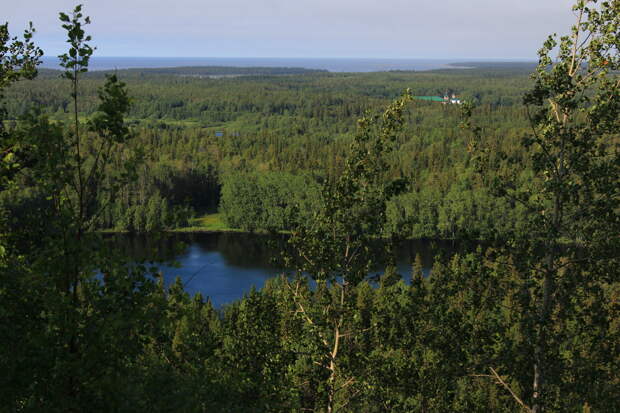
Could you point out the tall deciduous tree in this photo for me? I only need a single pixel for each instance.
(71, 171)
(335, 246)
(567, 254)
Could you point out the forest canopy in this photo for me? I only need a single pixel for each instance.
(529, 164)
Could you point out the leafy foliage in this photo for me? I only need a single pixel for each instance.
(531, 323)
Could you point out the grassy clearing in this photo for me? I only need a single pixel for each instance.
(207, 223)
(214, 223)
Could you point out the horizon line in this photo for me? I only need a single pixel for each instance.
(488, 59)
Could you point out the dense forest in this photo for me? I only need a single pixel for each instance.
(529, 164)
(232, 140)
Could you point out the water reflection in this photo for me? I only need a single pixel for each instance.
(224, 266)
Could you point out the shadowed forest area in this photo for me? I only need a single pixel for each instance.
(527, 166)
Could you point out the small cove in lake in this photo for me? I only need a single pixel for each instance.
(225, 266)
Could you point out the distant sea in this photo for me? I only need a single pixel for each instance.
(330, 64)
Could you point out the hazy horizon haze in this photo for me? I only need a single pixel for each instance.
(395, 29)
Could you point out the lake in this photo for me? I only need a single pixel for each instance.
(224, 266)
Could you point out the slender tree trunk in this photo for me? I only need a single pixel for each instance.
(540, 351)
(331, 392)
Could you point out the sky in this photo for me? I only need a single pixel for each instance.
(417, 29)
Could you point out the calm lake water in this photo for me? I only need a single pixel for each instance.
(224, 266)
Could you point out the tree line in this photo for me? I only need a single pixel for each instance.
(300, 124)
(531, 323)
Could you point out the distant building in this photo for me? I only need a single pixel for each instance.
(453, 100)
(445, 99)
(430, 98)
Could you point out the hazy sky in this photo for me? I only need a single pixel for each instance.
(303, 28)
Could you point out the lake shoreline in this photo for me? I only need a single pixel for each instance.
(226, 265)
(199, 231)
